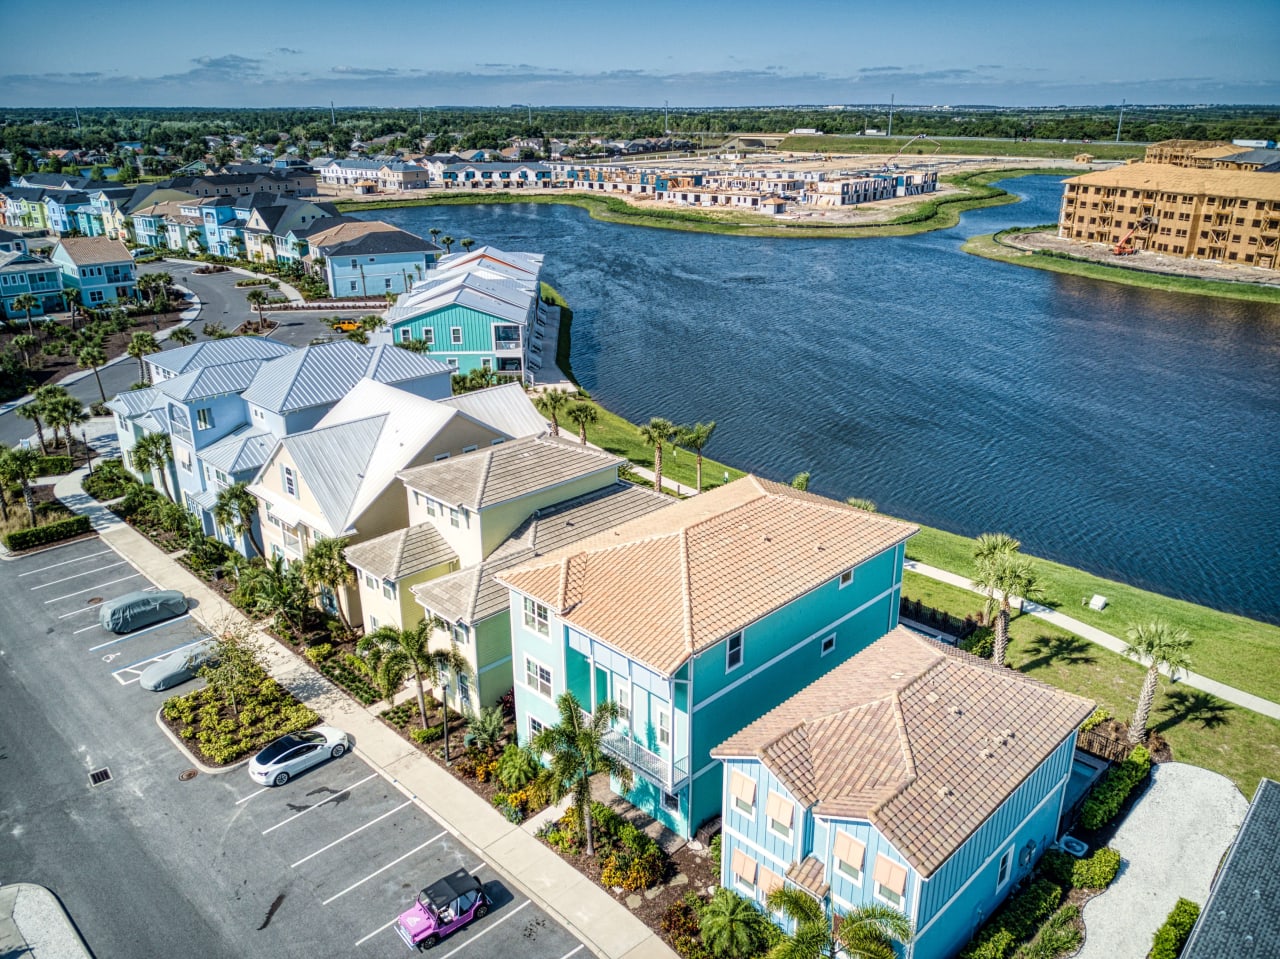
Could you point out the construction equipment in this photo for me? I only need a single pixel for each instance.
(1125, 247)
(890, 163)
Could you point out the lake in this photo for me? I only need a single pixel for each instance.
(1124, 431)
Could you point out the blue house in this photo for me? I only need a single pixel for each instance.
(913, 775)
(365, 258)
(99, 267)
(22, 272)
(697, 620)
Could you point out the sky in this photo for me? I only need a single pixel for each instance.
(686, 52)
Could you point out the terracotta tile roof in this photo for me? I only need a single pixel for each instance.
(922, 740)
(807, 874)
(1245, 184)
(669, 584)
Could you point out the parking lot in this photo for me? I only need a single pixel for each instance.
(153, 860)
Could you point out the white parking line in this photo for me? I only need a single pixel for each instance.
(361, 882)
(376, 931)
(77, 612)
(392, 812)
(571, 952)
(251, 795)
(67, 562)
(318, 805)
(139, 632)
(153, 659)
(85, 629)
(81, 592)
(67, 579)
(489, 928)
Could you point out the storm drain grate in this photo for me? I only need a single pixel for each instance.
(99, 776)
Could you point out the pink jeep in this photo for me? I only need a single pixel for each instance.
(442, 908)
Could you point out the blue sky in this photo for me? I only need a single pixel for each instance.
(691, 53)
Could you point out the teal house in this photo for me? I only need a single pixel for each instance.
(99, 267)
(697, 620)
(914, 776)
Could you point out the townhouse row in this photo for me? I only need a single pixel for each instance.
(94, 271)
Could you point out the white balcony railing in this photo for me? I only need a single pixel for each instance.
(657, 769)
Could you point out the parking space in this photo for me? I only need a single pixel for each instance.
(320, 866)
(302, 327)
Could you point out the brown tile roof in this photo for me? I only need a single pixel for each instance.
(345, 232)
(509, 470)
(85, 250)
(921, 739)
(1246, 184)
(402, 553)
(808, 875)
(667, 585)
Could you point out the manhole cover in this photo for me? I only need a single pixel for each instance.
(99, 776)
(187, 775)
(94, 601)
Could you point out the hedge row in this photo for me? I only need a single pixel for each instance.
(52, 533)
(1109, 795)
(1095, 872)
(53, 465)
(1172, 936)
(1018, 920)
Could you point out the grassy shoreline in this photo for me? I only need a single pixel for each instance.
(938, 213)
(988, 246)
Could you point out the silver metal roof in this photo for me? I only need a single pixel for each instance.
(506, 408)
(217, 352)
(245, 449)
(331, 462)
(206, 381)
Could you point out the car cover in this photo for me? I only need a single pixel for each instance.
(135, 610)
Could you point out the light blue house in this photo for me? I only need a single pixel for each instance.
(914, 776)
(22, 272)
(697, 620)
(365, 258)
(99, 267)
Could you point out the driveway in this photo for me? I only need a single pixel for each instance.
(1172, 841)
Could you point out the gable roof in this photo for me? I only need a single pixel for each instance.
(919, 738)
(329, 459)
(499, 474)
(505, 299)
(507, 408)
(402, 553)
(217, 352)
(83, 250)
(473, 594)
(530, 263)
(245, 449)
(316, 375)
(1242, 916)
(666, 586)
(206, 381)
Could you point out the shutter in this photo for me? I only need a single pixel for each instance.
(744, 867)
(742, 787)
(769, 880)
(780, 809)
(849, 850)
(891, 875)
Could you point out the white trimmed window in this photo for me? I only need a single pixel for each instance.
(664, 728)
(406, 335)
(455, 335)
(781, 813)
(743, 790)
(891, 880)
(535, 726)
(370, 581)
(622, 696)
(743, 869)
(1005, 870)
(461, 635)
(373, 622)
(429, 336)
(388, 589)
(289, 480)
(846, 578)
(733, 652)
(850, 854)
(455, 517)
(204, 418)
(828, 643)
(537, 677)
(535, 617)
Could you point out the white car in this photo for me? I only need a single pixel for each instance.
(289, 755)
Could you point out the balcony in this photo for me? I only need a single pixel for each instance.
(508, 346)
(648, 764)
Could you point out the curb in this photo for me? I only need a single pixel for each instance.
(34, 922)
(190, 757)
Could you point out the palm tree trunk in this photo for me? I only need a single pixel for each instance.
(582, 432)
(44, 449)
(162, 470)
(657, 467)
(1001, 645)
(1138, 728)
(583, 801)
(30, 501)
(422, 699)
(4, 505)
(699, 462)
(101, 391)
(31, 327)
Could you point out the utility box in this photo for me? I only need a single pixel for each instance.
(1098, 602)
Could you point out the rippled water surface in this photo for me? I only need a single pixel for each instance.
(1128, 432)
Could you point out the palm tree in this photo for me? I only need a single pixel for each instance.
(864, 932)
(24, 343)
(654, 433)
(142, 344)
(325, 567)
(275, 589)
(412, 647)
(732, 926)
(20, 464)
(584, 415)
(26, 302)
(373, 322)
(551, 403)
(182, 336)
(448, 243)
(467, 244)
(152, 454)
(435, 231)
(64, 413)
(73, 298)
(988, 547)
(257, 299)
(93, 357)
(1008, 575)
(35, 411)
(1161, 645)
(576, 748)
(695, 438)
(236, 508)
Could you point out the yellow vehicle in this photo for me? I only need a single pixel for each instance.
(346, 326)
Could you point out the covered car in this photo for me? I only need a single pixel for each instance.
(443, 907)
(178, 666)
(132, 611)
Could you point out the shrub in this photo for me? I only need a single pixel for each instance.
(993, 946)
(319, 652)
(488, 728)
(1097, 871)
(981, 642)
(52, 465)
(428, 735)
(1016, 921)
(633, 871)
(52, 533)
(517, 766)
(1108, 796)
(1057, 937)
(1056, 866)
(714, 849)
(1172, 936)
(1096, 718)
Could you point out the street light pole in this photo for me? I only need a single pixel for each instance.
(88, 450)
(444, 711)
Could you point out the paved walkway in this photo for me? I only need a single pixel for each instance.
(1224, 692)
(588, 911)
(34, 925)
(1172, 841)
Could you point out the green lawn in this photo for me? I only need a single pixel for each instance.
(879, 146)
(988, 247)
(1231, 649)
(1202, 730)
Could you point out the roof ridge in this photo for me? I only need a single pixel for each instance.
(563, 594)
(905, 742)
(483, 479)
(686, 591)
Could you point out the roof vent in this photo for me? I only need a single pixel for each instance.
(957, 711)
(768, 540)
(931, 698)
(987, 753)
(944, 792)
(897, 675)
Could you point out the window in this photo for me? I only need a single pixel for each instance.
(289, 480)
(455, 335)
(387, 281)
(388, 589)
(355, 264)
(370, 581)
(535, 727)
(891, 881)
(743, 868)
(461, 635)
(439, 456)
(535, 617)
(429, 336)
(671, 802)
(781, 813)
(664, 728)
(455, 518)
(486, 364)
(470, 449)
(464, 692)
(405, 335)
(451, 362)
(733, 652)
(622, 696)
(1006, 868)
(431, 507)
(353, 286)
(743, 790)
(204, 419)
(828, 644)
(849, 856)
(537, 677)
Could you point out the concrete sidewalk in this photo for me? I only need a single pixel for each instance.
(588, 911)
(33, 924)
(1224, 692)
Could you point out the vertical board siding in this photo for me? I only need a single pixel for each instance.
(755, 829)
(844, 891)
